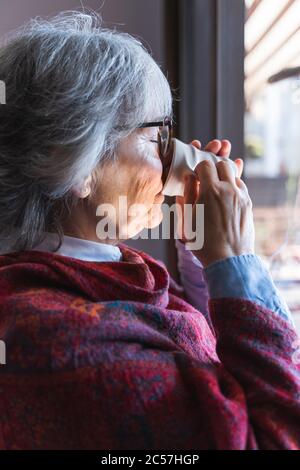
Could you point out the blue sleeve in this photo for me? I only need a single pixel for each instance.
(246, 276)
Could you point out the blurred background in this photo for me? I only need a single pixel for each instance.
(234, 66)
(272, 137)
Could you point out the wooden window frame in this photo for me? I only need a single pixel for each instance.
(205, 55)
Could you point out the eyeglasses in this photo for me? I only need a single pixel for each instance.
(164, 136)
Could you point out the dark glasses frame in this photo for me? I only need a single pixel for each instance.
(163, 145)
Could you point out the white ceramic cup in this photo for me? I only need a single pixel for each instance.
(184, 161)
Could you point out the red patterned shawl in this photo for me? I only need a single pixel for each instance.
(110, 356)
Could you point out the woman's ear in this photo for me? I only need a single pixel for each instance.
(83, 190)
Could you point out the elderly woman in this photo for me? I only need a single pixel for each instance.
(103, 349)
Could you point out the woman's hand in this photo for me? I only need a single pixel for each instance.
(228, 218)
(191, 191)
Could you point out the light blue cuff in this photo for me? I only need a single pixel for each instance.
(246, 276)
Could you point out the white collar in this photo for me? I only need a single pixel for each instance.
(79, 248)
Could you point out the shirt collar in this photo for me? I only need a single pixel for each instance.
(79, 248)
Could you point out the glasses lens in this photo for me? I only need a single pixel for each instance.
(164, 137)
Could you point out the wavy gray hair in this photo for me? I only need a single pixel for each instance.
(73, 90)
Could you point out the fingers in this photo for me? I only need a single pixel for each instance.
(222, 148)
(244, 189)
(196, 144)
(214, 146)
(207, 174)
(225, 149)
(225, 172)
(190, 189)
(240, 166)
(241, 185)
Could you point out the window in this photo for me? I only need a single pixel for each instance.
(236, 65)
(272, 137)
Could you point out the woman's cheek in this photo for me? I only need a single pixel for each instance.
(154, 168)
(146, 192)
(155, 216)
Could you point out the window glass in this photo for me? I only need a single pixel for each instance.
(272, 137)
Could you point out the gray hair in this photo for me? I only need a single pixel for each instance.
(74, 89)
